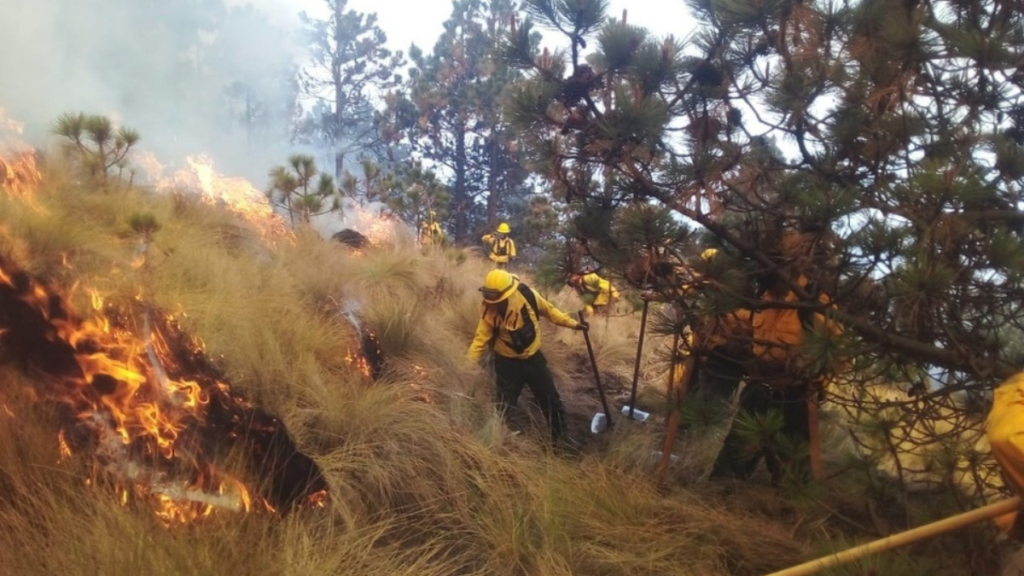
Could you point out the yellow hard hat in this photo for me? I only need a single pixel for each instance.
(708, 254)
(503, 228)
(433, 213)
(498, 286)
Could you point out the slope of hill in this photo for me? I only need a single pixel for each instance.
(174, 299)
(422, 476)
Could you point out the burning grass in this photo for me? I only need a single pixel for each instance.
(423, 478)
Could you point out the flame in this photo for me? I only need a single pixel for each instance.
(377, 229)
(19, 175)
(317, 499)
(236, 194)
(369, 356)
(372, 220)
(62, 446)
(422, 393)
(152, 169)
(135, 413)
(10, 127)
(358, 361)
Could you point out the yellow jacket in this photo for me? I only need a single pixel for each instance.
(730, 328)
(1005, 431)
(778, 331)
(502, 249)
(602, 289)
(431, 233)
(513, 326)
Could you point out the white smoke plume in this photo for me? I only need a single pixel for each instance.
(371, 219)
(192, 76)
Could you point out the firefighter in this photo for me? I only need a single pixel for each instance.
(1005, 431)
(780, 377)
(431, 233)
(596, 293)
(502, 248)
(720, 341)
(510, 327)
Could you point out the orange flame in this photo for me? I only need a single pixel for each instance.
(378, 231)
(359, 362)
(379, 227)
(422, 393)
(236, 194)
(137, 414)
(19, 175)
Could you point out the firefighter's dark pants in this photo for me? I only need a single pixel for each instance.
(513, 373)
(717, 377)
(712, 387)
(739, 459)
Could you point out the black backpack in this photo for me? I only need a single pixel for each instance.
(527, 333)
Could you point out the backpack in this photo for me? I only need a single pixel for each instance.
(527, 333)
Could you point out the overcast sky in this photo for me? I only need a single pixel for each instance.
(419, 21)
(99, 57)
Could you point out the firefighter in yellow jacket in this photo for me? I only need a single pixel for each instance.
(596, 293)
(431, 233)
(1005, 431)
(719, 341)
(502, 248)
(510, 327)
(782, 378)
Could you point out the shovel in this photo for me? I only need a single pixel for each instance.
(598, 424)
(639, 353)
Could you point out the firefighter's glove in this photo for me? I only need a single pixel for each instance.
(583, 326)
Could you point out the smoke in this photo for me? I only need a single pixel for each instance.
(370, 219)
(192, 76)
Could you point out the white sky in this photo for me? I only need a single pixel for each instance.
(419, 21)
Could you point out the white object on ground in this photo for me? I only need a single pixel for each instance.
(638, 415)
(656, 456)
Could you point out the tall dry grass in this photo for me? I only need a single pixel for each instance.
(424, 477)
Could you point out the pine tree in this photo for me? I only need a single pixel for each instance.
(874, 147)
(260, 83)
(451, 115)
(412, 191)
(95, 143)
(301, 190)
(350, 67)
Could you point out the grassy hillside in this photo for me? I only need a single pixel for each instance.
(424, 478)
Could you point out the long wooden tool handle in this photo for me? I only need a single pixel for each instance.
(672, 422)
(597, 374)
(903, 538)
(639, 353)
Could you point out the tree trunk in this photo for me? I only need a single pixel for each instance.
(339, 92)
(460, 197)
(493, 195)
